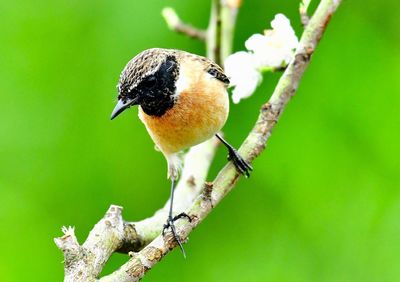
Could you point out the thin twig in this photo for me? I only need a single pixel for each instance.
(214, 39)
(229, 12)
(303, 7)
(177, 25)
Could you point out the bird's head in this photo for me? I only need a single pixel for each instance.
(148, 80)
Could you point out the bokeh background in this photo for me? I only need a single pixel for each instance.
(323, 203)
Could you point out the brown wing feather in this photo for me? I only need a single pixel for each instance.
(209, 66)
(217, 72)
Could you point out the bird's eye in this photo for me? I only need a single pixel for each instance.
(150, 82)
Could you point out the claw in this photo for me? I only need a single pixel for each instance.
(241, 165)
(182, 215)
(170, 223)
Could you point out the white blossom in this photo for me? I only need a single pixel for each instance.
(242, 70)
(273, 49)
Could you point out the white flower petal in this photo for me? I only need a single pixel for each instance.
(275, 48)
(237, 64)
(280, 22)
(242, 70)
(256, 42)
(247, 89)
(284, 30)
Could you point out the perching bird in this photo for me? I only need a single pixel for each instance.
(182, 101)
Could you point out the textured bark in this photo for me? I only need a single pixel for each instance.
(113, 234)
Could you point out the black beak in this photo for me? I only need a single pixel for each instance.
(121, 106)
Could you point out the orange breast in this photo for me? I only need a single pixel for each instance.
(200, 111)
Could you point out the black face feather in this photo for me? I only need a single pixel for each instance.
(154, 92)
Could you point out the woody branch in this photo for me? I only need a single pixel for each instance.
(147, 247)
(176, 24)
(113, 234)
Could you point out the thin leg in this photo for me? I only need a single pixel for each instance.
(171, 204)
(241, 165)
(170, 220)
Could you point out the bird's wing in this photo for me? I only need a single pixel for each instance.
(216, 71)
(209, 66)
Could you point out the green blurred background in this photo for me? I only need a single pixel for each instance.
(323, 203)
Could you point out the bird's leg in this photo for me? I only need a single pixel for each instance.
(241, 165)
(171, 220)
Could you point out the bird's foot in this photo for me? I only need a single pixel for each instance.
(170, 224)
(241, 165)
(171, 220)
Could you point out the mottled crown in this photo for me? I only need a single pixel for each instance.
(149, 79)
(141, 66)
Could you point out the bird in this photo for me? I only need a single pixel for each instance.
(183, 101)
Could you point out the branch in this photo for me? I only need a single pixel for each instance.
(214, 33)
(229, 11)
(303, 7)
(83, 263)
(112, 233)
(176, 24)
(219, 34)
(252, 147)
